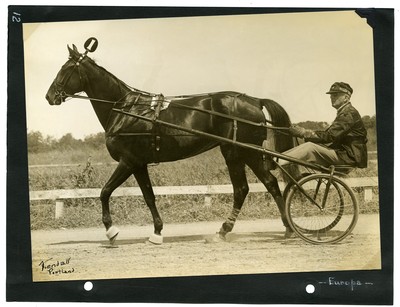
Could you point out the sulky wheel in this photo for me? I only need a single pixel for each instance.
(323, 210)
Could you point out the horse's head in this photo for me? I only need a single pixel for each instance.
(70, 79)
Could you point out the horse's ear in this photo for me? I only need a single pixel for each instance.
(71, 52)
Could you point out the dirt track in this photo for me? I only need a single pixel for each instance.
(253, 247)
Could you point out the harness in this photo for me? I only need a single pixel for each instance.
(60, 91)
(157, 104)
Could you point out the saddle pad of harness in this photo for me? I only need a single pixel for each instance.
(159, 99)
(144, 105)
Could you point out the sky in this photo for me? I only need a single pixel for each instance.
(292, 58)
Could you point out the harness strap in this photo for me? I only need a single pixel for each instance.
(95, 99)
(224, 115)
(155, 141)
(235, 125)
(235, 128)
(155, 131)
(159, 99)
(238, 119)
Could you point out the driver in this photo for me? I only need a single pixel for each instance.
(342, 143)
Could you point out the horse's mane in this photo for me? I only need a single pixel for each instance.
(116, 79)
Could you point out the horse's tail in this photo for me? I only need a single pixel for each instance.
(278, 118)
(282, 141)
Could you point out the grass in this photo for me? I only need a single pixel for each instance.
(208, 168)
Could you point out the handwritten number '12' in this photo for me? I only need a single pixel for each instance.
(16, 17)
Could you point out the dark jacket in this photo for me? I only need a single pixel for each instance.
(347, 136)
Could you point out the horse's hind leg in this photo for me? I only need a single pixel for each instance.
(142, 177)
(236, 168)
(120, 175)
(262, 170)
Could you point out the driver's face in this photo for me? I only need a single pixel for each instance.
(339, 99)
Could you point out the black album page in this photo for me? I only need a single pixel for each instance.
(147, 155)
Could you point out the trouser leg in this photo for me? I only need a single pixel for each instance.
(314, 153)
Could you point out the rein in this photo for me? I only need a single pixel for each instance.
(238, 119)
(61, 93)
(95, 99)
(235, 118)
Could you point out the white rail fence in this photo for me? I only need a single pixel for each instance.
(367, 183)
(115, 163)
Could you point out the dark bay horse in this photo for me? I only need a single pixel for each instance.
(135, 143)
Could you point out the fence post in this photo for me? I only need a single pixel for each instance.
(207, 196)
(368, 194)
(207, 200)
(59, 209)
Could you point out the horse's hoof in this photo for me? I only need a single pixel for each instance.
(112, 234)
(288, 233)
(217, 238)
(156, 239)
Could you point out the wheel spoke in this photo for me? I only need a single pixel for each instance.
(337, 216)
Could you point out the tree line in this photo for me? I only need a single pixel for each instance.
(37, 142)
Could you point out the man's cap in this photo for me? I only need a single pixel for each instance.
(340, 87)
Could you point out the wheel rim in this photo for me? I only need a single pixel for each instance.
(330, 224)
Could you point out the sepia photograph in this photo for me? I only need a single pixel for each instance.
(216, 145)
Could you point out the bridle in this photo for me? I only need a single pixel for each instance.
(83, 77)
(60, 86)
(90, 46)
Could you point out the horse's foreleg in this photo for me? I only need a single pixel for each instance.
(121, 173)
(142, 177)
(237, 174)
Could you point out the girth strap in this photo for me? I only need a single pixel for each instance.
(156, 137)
